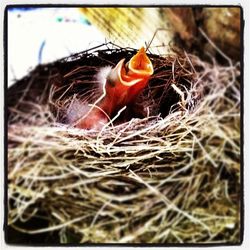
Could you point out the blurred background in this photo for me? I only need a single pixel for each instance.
(42, 35)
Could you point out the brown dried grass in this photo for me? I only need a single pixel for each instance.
(153, 179)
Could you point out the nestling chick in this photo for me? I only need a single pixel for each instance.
(123, 84)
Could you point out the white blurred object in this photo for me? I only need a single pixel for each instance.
(43, 35)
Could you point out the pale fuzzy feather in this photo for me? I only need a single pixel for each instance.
(102, 75)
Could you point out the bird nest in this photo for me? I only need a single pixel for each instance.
(165, 170)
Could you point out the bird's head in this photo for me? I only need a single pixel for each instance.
(137, 69)
(126, 80)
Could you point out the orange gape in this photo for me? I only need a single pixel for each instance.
(124, 83)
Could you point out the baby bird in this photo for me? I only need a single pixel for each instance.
(123, 84)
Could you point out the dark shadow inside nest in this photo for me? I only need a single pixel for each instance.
(73, 79)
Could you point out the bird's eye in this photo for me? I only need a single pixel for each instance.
(126, 68)
(110, 80)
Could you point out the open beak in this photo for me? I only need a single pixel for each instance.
(138, 68)
(126, 81)
(140, 65)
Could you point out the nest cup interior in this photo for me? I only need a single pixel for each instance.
(74, 81)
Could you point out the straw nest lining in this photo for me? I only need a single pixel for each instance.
(165, 171)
